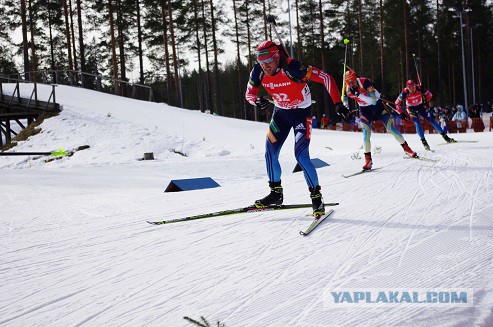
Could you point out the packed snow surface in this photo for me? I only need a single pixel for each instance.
(76, 249)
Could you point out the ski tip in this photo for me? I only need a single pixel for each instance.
(302, 233)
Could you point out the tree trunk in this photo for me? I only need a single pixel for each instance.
(173, 47)
(81, 43)
(325, 98)
(76, 66)
(265, 20)
(25, 46)
(449, 80)
(113, 46)
(241, 98)
(322, 36)
(139, 37)
(480, 69)
(402, 78)
(121, 48)
(166, 52)
(312, 36)
(454, 96)
(360, 31)
(209, 83)
(298, 31)
(249, 37)
(69, 42)
(216, 63)
(437, 31)
(406, 42)
(200, 79)
(249, 44)
(381, 49)
(52, 53)
(418, 64)
(34, 60)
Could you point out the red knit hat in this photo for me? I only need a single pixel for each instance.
(350, 76)
(267, 51)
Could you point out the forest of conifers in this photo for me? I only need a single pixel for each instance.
(175, 46)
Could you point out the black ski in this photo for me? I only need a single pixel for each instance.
(361, 172)
(458, 141)
(421, 158)
(236, 211)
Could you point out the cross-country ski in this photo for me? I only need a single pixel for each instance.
(421, 158)
(459, 141)
(237, 211)
(363, 171)
(316, 221)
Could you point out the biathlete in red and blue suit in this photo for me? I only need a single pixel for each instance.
(362, 90)
(285, 79)
(417, 100)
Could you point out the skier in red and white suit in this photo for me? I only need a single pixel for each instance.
(285, 80)
(417, 100)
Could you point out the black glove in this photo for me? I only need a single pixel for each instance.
(262, 103)
(342, 111)
(403, 116)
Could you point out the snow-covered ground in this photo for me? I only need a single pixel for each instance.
(76, 248)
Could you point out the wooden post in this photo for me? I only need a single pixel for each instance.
(18, 92)
(149, 156)
(36, 94)
(54, 101)
(8, 136)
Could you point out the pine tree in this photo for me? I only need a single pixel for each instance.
(8, 22)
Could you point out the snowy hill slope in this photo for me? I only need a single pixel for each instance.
(76, 249)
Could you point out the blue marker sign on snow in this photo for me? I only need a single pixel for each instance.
(315, 161)
(178, 185)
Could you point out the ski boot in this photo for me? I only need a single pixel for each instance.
(317, 201)
(274, 198)
(448, 139)
(408, 150)
(368, 161)
(425, 144)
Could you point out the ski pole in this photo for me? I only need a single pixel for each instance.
(390, 104)
(416, 66)
(60, 152)
(346, 41)
(348, 67)
(272, 21)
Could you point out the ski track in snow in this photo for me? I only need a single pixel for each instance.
(76, 249)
